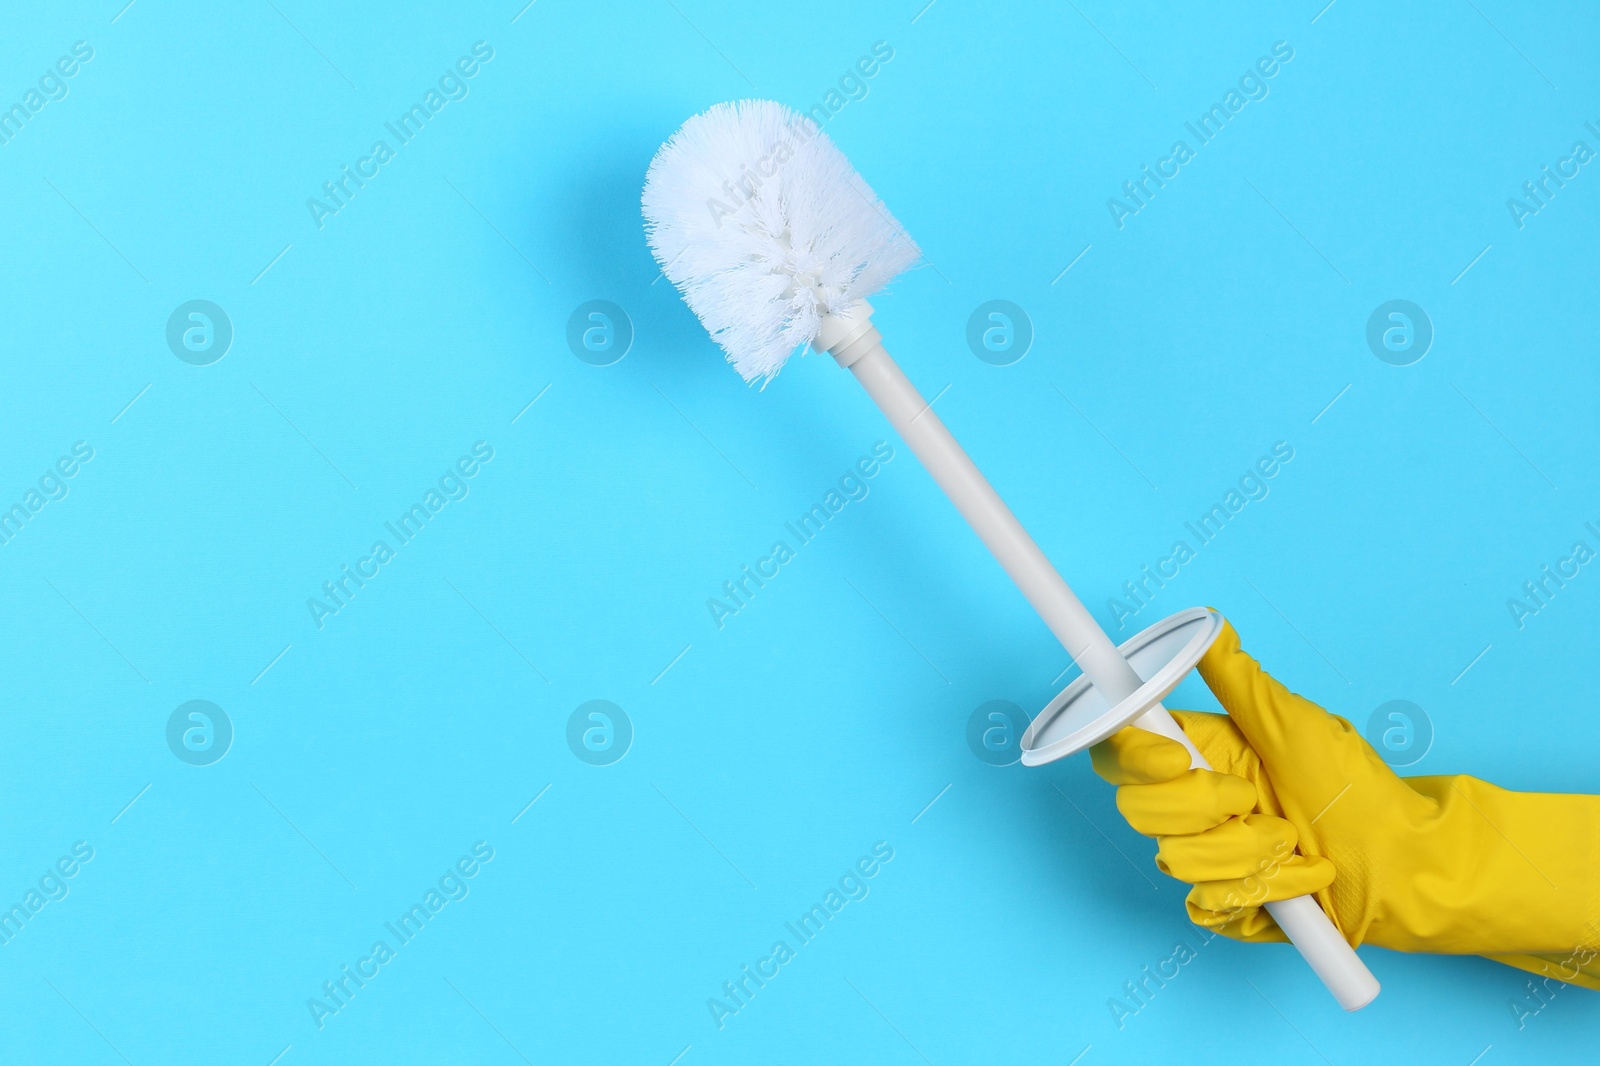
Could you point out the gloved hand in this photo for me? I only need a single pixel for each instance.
(1452, 865)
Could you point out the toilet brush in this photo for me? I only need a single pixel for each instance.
(775, 242)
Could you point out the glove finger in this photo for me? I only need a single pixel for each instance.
(1226, 900)
(1218, 738)
(1251, 925)
(1311, 756)
(1237, 849)
(1192, 802)
(1134, 756)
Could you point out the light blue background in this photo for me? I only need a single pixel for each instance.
(430, 311)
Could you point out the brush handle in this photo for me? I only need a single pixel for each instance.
(1301, 918)
(858, 346)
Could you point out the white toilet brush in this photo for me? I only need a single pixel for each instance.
(775, 242)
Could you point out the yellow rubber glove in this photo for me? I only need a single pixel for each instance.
(1452, 865)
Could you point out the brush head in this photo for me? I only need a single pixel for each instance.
(764, 227)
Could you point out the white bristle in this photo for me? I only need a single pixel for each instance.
(764, 227)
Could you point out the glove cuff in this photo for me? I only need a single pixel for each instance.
(1484, 871)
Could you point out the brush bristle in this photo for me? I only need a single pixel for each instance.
(764, 227)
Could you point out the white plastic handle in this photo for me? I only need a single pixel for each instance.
(856, 345)
(1300, 918)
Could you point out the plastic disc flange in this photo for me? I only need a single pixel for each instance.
(1079, 717)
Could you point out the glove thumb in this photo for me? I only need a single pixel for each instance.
(1311, 757)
